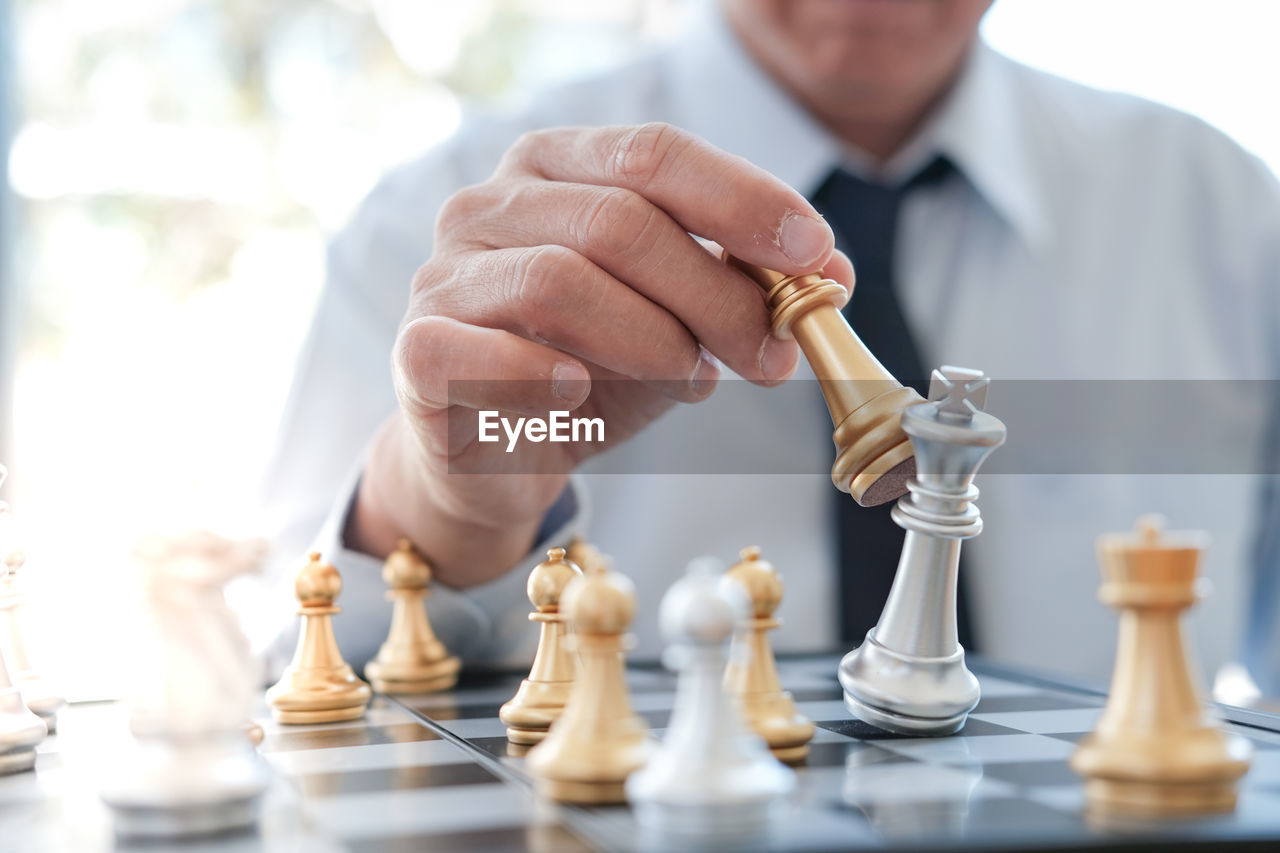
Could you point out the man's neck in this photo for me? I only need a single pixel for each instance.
(879, 135)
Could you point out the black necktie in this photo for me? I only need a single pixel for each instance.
(864, 217)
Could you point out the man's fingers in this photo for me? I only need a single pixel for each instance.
(439, 362)
(637, 243)
(840, 269)
(554, 295)
(709, 192)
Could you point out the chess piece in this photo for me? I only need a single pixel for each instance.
(909, 675)
(20, 730)
(190, 770)
(598, 741)
(752, 675)
(253, 732)
(318, 686)
(1156, 750)
(412, 660)
(711, 779)
(584, 555)
(40, 697)
(873, 456)
(542, 696)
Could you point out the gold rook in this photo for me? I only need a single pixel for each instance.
(1157, 749)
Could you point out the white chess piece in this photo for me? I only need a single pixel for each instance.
(39, 695)
(20, 730)
(193, 771)
(712, 781)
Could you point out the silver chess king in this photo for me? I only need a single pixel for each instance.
(909, 675)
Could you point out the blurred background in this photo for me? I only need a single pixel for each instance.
(175, 167)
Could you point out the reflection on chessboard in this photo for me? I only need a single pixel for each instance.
(437, 773)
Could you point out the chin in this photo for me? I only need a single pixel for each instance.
(878, 51)
(856, 63)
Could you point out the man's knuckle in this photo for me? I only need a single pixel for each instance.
(522, 201)
(462, 206)
(526, 145)
(415, 349)
(539, 274)
(423, 296)
(641, 152)
(614, 222)
(426, 278)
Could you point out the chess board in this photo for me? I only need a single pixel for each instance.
(428, 773)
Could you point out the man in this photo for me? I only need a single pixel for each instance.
(1072, 235)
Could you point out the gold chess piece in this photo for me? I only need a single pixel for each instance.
(1156, 750)
(752, 674)
(42, 699)
(598, 741)
(412, 660)
(253, 732)
(318, 686)
(542, 696)
(584, 555)
(874, 458)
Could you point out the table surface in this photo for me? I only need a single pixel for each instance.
(435, 772)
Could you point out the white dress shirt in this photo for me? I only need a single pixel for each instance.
(1093, 236)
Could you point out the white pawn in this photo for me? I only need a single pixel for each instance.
(712, 780)
(40, 697)
(20, 730)
(191, 770)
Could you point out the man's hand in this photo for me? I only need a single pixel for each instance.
(572, 265)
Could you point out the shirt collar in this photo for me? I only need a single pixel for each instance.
(720, 93)
(978, 127)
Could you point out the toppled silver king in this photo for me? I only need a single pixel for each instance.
(909, 674)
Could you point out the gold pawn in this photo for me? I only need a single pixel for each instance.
(318, 686)
(542, 696)
(752, 674)
(412, 660)
(584, 555)
(598, 741)
(1156, 749)
(874, 458)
